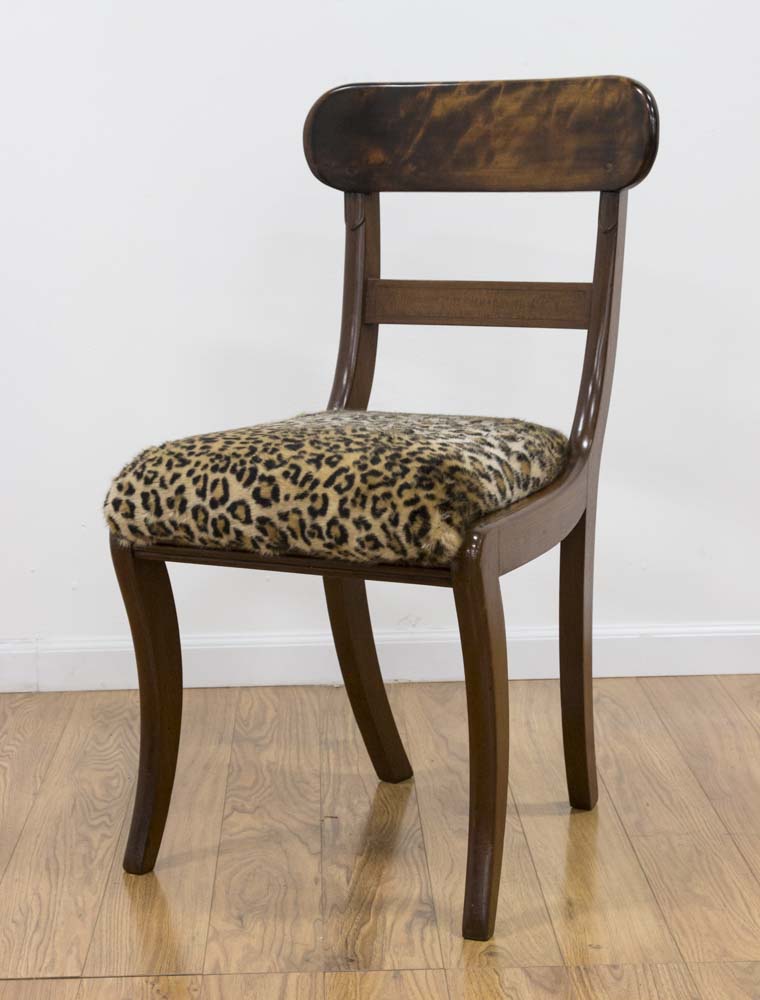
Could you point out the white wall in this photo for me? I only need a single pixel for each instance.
(168, 265)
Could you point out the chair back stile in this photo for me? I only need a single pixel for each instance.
(355, 366)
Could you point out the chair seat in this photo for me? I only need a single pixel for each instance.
(342, 484)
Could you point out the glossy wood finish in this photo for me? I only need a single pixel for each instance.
(266, 910)
(358, 892)
(147, 594)
(550, 305)
(377, 904)
(702, 717)
(581, 134)
(683, 871)
(654, 789)
(53, 884)
(432, 576)
(484, 649)
(355, 366)
(433, 716)
(355, 645)
(601, 905)
(175, 899)
(576, 583)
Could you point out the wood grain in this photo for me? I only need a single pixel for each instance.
(745, 691)
(39, 989)
(157, 923)
(749, 846)
(707, 883)
(30, 730)
(435, 719)
(734, 981)
(719, 743)
(582, 134)
(142, 988)
(547, 305)
(601, 906)
(272, 986)
(414, 985)
(377, 902)
(644, 771)
(708, 895)
(266, 914)
(634, 982)
(351, 624)
(489, 983)
(54, 883)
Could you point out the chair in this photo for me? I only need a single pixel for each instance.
(351, 495)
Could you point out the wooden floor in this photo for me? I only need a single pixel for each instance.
(288, 873)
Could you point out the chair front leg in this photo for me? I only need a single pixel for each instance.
(576, 576)
(147, 594)
(355, 645)
(484, 648)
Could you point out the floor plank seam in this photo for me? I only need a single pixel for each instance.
(684, 756)
(539, 883)
(433, 903)
(222, 814)
(631, 844)
(755, 874)
(750, 719)
(117, 841)
(73, 700)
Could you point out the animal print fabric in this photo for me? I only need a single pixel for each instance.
(342, 484)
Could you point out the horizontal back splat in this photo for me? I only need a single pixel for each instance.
(580, 134)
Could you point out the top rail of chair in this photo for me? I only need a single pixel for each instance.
(596, 133)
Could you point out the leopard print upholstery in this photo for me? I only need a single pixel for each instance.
(343, 484)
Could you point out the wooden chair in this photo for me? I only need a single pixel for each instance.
(587, 134)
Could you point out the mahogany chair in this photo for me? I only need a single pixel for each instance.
(447, 502)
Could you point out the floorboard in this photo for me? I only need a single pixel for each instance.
(644, 771)
(39, 989)
(718, 741)
(734, 981)
(272, 986)
(634, 982)
(156, 924)
(377, 902)
(422, 984)
(600, 903)
(54, 882)
(142, 988)
(266, 912)
(288, 872)
(435, 717)
(31, 726)
(507, 983)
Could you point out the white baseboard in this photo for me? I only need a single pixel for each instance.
(227, 660)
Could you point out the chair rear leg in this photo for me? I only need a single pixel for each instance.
(147, 594)
(484, 648)
(576, 584)
(355, 646)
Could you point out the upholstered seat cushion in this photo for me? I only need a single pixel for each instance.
(362, 486)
